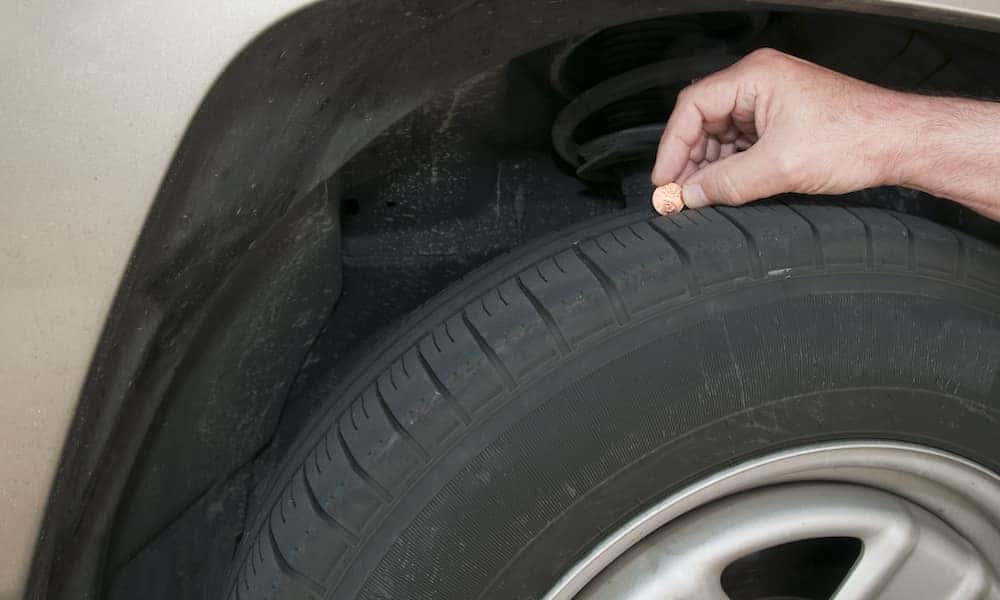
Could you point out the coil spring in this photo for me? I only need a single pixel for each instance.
(622, 82)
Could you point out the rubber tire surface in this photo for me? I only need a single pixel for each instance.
(540, 403)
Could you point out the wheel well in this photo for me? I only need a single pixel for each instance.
(243, 256)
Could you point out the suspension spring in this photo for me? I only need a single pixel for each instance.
(622, 82)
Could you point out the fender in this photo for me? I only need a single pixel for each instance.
(149, 149)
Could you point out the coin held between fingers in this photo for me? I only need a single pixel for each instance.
(668, 199)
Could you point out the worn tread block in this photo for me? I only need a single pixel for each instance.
(462, 367)
(644, 269)
(776, 234)
(576, 316)
(936, 248)
(265, 576)
(510, 325)
(376, 449)
(348, 496)
(841, 235)
(888, 238)
(718, 251)
(420, 405)
(312, 543)
(980, 261)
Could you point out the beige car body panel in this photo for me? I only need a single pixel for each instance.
(94, 99)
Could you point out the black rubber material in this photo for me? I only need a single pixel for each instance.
(537, 405)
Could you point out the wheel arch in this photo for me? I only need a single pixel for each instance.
(243, 219)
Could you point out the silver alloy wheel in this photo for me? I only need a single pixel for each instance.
(928, 522)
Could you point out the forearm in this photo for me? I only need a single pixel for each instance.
(948, 147)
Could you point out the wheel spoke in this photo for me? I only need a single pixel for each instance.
(906, 551)
(915, 523)
(915, 555)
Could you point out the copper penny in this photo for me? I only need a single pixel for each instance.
(668, 199)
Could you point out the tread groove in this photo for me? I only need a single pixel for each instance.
(314, 588)
(317, 506)
(693, 286)
(392, 379)
(960, 258)
(491, 355)
(326, 450)
(911, 248)
(546, 316)
(819, 260)
(614, 297)
(555, 259)
(869, 244)
(441, 389)
(382, 493)
(402, 431)
(756, 266)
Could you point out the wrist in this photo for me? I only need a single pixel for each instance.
(904, 141)
(938, 138)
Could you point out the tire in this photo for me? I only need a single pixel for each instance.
(542, 402)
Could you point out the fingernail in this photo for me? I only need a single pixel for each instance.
(694, 196)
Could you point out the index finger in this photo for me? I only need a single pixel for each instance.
(684, 133)
(702, 108)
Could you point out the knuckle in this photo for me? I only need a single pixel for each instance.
(767, 60)
(766, 56)
(788, 166)
(686, 95)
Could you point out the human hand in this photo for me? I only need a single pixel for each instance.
(773, 123)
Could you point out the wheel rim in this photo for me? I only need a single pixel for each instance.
(928, 522)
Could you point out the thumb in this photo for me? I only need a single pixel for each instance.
(736, 179)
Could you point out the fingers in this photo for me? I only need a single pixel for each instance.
(689, 169)
(729, 149)
(713, 149)
(723, 106)
(704, 111)
(736, 179)
(699, 150)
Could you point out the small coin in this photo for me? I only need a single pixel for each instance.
(668, 199)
